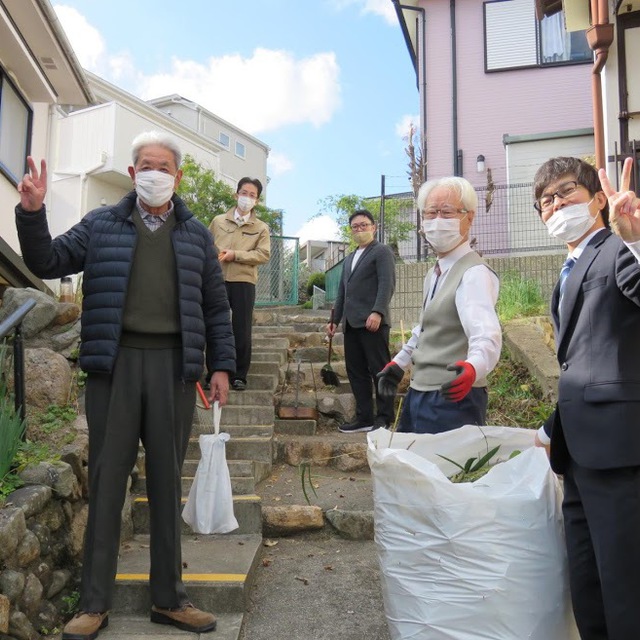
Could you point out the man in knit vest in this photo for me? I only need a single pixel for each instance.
(244, 243)
(458, 338)
(153, 298)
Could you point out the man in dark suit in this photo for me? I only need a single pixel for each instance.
(364, 293)
(594, 431)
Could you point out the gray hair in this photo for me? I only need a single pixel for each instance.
(148, 138)
(460, 186)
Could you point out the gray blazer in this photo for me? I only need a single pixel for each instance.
(367, 288)
(597, 419)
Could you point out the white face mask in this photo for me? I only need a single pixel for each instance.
(154, 188)
(442, 234)
(571, 223)
(245, 203)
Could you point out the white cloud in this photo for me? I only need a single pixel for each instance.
(383, 8)
(284, 90)
(319, 228)
(87, 42)
(402, 126)
(278, 163)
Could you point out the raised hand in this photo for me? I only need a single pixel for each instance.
(33, 186)
(624, 205)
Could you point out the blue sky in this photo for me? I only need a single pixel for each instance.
(327, 84)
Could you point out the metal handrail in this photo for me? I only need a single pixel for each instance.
(13, 323)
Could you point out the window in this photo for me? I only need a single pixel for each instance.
(224, 139)
(241, 150)
(515, 38)
(15, 131)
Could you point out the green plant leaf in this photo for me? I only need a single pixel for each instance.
(451, 461)
(485, 459)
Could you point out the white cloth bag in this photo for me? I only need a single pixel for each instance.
(472, 560)
(209, 507)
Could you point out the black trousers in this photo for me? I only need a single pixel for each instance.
(143, 399)
(242, 298)
(601, 510)
(366, 353)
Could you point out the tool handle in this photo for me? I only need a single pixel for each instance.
(203, 397)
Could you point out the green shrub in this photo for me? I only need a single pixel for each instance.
(315, 279)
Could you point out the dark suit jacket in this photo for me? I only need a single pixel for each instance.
(597, 417)
(367, 288)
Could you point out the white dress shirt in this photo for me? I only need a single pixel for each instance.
(476, 298)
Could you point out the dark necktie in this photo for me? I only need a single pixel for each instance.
(436, 272)
(564, 274)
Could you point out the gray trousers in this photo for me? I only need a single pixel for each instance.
(143, 399)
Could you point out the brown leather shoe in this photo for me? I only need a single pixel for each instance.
(187, 618)
(85, 625)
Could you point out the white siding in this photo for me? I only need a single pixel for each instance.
(510, 34)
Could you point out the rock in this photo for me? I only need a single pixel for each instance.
(77, 529)
(12, 529)
(294, 452)
(58, 475)
(44, 574)
(59, 580)
(32, 595)
(350, 456)
(50, 518)
(28, 549)
(46, 617)
(338, 406)
(5, 606)
(291, 519)
(31, 500)
(12, 584)
(40, 317)
(20, 627)
(47, 378)
(353, 525)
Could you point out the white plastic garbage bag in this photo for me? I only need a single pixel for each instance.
(209, 507)
(469, 561)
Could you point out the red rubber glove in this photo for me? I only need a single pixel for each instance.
(460, 386)
(389, 379)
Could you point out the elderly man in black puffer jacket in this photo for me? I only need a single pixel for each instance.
(153, 298)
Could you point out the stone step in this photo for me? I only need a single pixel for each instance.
(295, 427)
(234, 414)
(266, 343)
(265, 368)
(246, 509)
(240, 485)
(261, 382)
(259, 449)
(249, 397)
(139, 627)
(268, 356)
(218, 571)
(239, 430)
(270, 328)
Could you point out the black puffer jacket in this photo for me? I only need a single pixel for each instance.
(102, 245)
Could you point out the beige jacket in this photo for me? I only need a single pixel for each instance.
(251, 243)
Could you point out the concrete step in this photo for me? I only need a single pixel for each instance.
(295, 427)
(139, 627)
(265, 368)
(246, 509)
(250, 397)
(217, 573)
(258, 329)
(260, 449)
(261, 382)
(240, 485)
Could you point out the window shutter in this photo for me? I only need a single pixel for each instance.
(510, 34)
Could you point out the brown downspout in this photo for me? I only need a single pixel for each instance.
(599, 37)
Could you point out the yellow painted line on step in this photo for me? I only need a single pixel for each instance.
(241, 498)
(189, 577)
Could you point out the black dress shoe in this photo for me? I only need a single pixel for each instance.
(355, 427)
(238, 385)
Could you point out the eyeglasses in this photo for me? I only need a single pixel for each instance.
(444, 212)
(361, 226)
(564, 191)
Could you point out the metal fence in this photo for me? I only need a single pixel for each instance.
(507, 231)
(278, 278)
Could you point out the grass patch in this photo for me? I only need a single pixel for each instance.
(515, 398)
(519, 297)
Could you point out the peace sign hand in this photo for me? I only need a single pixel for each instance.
(624, 205)
(33, 187)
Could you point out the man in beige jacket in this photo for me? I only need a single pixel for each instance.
(243, 243)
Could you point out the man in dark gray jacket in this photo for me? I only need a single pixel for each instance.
(153, 297)
(364, 294)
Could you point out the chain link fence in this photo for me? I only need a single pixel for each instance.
(278, 278)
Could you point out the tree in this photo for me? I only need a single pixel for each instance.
(396, 228)
(207, 197)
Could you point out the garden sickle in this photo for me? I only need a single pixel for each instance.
(327, 374)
